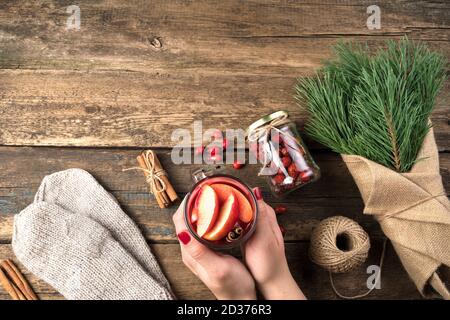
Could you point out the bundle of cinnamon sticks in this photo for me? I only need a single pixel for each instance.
(14, 282)
(157, 178)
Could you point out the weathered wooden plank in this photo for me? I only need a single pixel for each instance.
(236, 18)
(22, 170)
(218, 62)
(282, 56)
(70, 108)
(262, 37)
(313, 280)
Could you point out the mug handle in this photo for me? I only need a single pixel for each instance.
(206, 171)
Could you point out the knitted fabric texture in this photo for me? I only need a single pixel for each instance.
(77, 190)
(76, 237)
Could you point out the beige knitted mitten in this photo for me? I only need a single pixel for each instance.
(79, 257)
(77, 191)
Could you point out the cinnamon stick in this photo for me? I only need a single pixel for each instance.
(18, 279)
(150, 164)
(158, 196)
(14, 282)
(163, 194)
(169, 188)
(8, 286)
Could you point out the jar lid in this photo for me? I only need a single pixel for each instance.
(266, 119)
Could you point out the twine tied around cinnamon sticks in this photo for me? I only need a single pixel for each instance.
(14, 282)
(156, 177)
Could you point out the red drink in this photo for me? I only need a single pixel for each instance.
(221, 212)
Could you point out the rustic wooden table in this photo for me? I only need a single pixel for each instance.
(137, 70)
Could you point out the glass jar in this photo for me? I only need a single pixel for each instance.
(275, 142)
(233, 232)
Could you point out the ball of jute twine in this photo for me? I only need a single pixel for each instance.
(324, 249)
(351, 253)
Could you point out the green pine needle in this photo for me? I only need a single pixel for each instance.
(376, 106)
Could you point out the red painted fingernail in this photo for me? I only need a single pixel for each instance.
(184, 237)
(257, 192)
(280, 209)
(283, 231)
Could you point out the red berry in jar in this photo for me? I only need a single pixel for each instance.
(278, 179)
(284, 152)
(280, 209)
(237, 165)
(292, 170)
(286, 161)
(305, 176)
(287, 143)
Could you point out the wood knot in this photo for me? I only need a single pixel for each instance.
(155, 42)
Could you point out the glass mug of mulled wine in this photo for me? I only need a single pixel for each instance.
(220, 211)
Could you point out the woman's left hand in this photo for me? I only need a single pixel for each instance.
(224, 275)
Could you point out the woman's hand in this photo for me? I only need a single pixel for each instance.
(266, 258)
(224, 275)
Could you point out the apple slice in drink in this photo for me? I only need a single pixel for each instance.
(207, 210)
(228, 216)
(194, 215)
(244, 207)
(194, 212)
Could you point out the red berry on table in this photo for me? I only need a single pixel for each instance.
(284, 151)
(213, 151)
(214, 154)
(286, 161)
(278, 179)
(280, 209)
(282, 229)
(237, 165)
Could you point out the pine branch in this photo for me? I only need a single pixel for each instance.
(393, 137)
(376, 106)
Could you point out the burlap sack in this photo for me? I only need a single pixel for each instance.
(413, 211)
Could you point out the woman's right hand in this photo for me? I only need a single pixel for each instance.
(266, 259)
